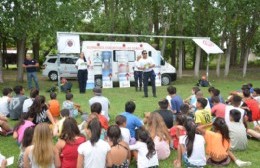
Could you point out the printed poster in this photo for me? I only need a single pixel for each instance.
(107, 69)
(123, 69)
(91, 73)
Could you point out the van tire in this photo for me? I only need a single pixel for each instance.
(98, 81)
(166, 79)
(53, 76)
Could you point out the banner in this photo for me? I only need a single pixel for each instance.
(123, 69)
(107, 69)
(91, 73)
(157, 68)
(68, 43)
(208, 46)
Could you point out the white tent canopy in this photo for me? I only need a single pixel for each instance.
(209, 47)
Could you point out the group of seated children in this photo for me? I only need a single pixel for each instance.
(202, 134)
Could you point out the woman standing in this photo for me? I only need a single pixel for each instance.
(82, 66)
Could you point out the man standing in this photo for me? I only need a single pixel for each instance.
(147, 65)
(98, 98)
(31, 66)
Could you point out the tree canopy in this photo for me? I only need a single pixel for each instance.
(33, 24)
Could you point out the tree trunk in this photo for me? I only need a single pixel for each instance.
(183, 55)
(197, 61)
(21, 43)
(233, 52)
(180, 59)
(156, 23)
(245, 62)
(173, 55)
(36, 48)
(5, 62)
(1, 67)
(227, 63)
(218, 65)
(243, 51)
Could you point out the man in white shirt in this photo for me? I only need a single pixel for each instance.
(147, 65)
(102, 100)
(7, 95)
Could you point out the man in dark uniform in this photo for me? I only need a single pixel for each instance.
(31, 66)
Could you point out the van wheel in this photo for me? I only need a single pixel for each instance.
(166, 79)
(98, 82)
(53, 76)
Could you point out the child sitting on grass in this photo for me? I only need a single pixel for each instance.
(54, 106)
(5, 129)
(191, 147)
(26, 141)
(218, 144)
(71, 106)
(144, 150)
(121, 122)
(24, 123)
(178, 130)
(64, 113)
(202, 115)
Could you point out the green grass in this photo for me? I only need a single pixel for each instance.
(118, 97)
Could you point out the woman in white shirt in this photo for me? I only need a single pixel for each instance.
(82, 67)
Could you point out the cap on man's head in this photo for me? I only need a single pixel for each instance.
(97, 90)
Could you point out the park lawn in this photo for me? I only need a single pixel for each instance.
(118, 97)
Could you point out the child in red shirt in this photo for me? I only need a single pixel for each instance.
(177, 130)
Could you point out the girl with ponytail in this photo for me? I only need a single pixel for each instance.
(146, 153)
(191, 147)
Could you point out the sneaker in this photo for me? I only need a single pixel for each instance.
(145, 96)
(241, 163)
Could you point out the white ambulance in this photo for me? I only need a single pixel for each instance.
(105, 57)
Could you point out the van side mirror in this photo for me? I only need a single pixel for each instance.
(162, 62)
(149, 53)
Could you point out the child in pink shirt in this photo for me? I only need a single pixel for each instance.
(25, 122)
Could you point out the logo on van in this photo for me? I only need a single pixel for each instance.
(70, 43)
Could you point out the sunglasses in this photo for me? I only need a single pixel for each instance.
(144, 53)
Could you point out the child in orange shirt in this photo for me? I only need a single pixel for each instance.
(218, 144)
(54, 106)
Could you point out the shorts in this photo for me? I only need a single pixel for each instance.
(221, 163)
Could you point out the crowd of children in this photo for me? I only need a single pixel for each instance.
(203, 131)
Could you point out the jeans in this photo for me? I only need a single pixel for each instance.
(138, 75)
(32, 76)
(146, 76)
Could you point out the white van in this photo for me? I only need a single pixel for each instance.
(100, 49)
